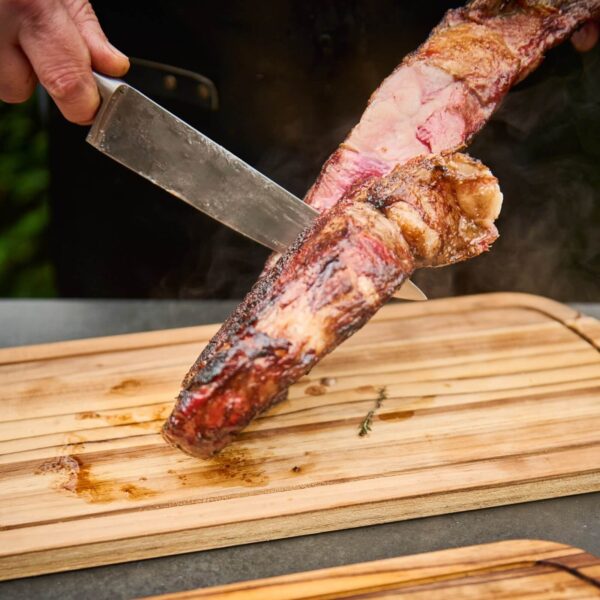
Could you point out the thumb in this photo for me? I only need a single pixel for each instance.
(105, 57)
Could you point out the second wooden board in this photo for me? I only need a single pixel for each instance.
(476, 402)
(503, 571)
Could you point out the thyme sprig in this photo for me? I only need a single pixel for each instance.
(365, 426)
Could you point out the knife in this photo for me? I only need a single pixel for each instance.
(141, 135)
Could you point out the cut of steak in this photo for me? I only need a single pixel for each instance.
(429, 212)
(445, 91)
(392, 199)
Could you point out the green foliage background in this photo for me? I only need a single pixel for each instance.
(25, 268)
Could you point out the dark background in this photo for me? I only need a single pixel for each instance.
(292, 78)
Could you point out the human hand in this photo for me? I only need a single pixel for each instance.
(586, 37)
(57, 42)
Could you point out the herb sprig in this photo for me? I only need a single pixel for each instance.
(365, 426)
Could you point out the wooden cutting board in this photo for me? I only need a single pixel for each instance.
(513, 569)
(484, 400)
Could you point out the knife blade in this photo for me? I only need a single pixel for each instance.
(146, 138)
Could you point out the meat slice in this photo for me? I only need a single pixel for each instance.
(429, 212)
(394, 196)
(443, 93)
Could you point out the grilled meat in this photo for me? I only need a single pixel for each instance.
(443, 93)
(429, 212)
(395, 196)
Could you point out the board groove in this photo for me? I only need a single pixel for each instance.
(489, 400)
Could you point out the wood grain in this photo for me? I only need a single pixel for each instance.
(490, 400)
(512, 569)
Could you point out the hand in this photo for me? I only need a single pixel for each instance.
(586, 37)
(57, 42)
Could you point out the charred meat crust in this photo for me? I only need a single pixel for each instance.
(328, 285)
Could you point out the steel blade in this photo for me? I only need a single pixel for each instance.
(409, 291)
(146, 138)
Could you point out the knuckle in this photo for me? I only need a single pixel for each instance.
(64, 84)
(20, 5)
(81, 11)
(26, 8)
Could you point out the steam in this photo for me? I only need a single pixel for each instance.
(225, 264)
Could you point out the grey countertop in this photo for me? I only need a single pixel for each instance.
(572, 520)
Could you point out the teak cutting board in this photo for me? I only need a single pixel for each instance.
(485, 400)
(513, 569)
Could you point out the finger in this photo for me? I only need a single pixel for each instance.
(17, 79)
(585, 38)
(105, 57)
(60, 58)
